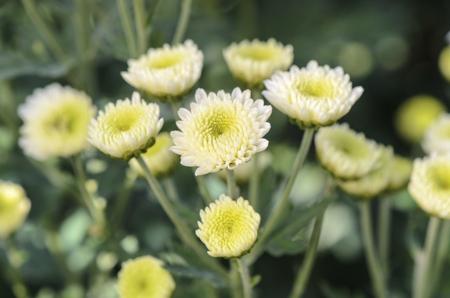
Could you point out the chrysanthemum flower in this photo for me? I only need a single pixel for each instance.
(415, 115)
(313, 96)
(374, 182)
(244, 172)
(14, 207)
(437, 136)
(345, 153)
(430, 185)
(444, 63)
(221, 131)
(400, 174)
(55, 122)
(166, 72)
(125, 129)
(159, 159)
(144, 277)
(228, 228)
(256, 61)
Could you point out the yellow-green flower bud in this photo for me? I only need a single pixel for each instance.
(14, 207)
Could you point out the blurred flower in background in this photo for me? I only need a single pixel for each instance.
(55, 122)
(400, 173)
(437, 136)
(14, 207)
(444, 63)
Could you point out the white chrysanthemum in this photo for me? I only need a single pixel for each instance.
(256, 61)
(159, 159)
(125, 129)
(430, 185)
(244, 172)
(221, 131)
(55, 122)
(345, 153)
(401, 172)
(228, 228)
(145, 277)
(374, 182)
(312, 96)
(166, 72)
(14, 207)
(437, 136)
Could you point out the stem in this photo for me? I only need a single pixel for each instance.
(139, 9)
(122, 199)
(204, 190)
(231, 182)
(235, 281)
(254, 184)
(182, 22)
(376, 272)
(13, 256)
(175, 107)
(127, 28)
(245, 278)
(169, 185)
(277, 214)
(384, 226)
(181, 226)
(305, 270)
(94, 210)
(45, 31)
(442, 251)
(423, 272)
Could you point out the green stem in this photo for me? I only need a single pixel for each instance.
(180, 225)
(245, 278)
(203, 189)
(127, 28)
(254, 184)
(231, 182)
(139, 15)
(44, 30)
(442, 252)
(235, 281)
(423, 271)
(375, 270)
(175, 107)
(384, 226)
(15, 261)
(122, 199)
(171, 189)
(94, 210)
(304, 272)
(182, 22)
(277, 214)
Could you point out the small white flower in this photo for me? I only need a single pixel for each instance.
(125, 129)
(430, 185)
(345, 153)
(166, 72)
(313, 96)
(437, 136)
(14, 207)
(228, 228)
(221, 131)
(55, 122)
(256, 61)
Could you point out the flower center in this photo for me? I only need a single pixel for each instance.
(350, 146)
(166, 60)
(257, 53)
(316, 87)
(123, 120)
(218, 123)
(440, 173)
(231, 225)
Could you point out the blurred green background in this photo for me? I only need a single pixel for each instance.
(390, 48)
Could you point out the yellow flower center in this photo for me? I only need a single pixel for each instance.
(350, 145)
(440, 175)
(316, 87)
(257, 53)
(122, 119)
(217, 124)
(166, 60)
(68, 118)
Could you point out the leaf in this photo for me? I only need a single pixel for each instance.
(198, 273)
(283, 245)
(73, 230)
(255, 280)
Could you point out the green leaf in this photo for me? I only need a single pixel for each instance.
(198, 273)
(74, 229)
(255, 280)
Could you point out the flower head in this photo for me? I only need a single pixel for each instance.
(256, 61)
(244, 172)
(430, 185)
(400, 174)
(437, 136)
(415, 115)
(55, 122)
(228, 228)
(144, 277)
(159, 159)
(125, 129)
(312, 96)
(345, 153)
(444, 62)
(14, 207)
(166, 72)
(374, 182)
(221, 131)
